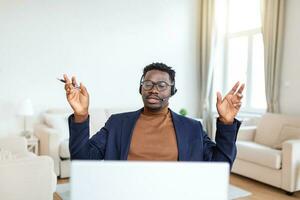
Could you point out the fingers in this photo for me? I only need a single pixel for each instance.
(219, 98)
(237, 90)
(67, 80)
(69, 88)
(83, 90)
(237, 105)
(239, 93)
(237, 98)
(241, 89)
(68, 85)
(234, 88)
(74, 82)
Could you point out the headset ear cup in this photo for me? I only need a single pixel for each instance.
(140, 88)
(175, 90)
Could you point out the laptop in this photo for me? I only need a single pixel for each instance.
(149, 180)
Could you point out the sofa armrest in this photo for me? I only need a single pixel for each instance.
(50, 140)
(246, 133)
(27, 178)
(291, 165)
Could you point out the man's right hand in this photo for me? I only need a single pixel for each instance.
(78, 98)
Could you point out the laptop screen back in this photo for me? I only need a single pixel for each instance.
(131, 180)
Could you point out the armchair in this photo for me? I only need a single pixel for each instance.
(270, 152)
(23, 174)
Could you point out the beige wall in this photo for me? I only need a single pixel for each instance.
(290, 78)
(105, 43)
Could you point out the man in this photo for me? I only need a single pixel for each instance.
(154, 132)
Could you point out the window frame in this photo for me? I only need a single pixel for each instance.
(247, 108)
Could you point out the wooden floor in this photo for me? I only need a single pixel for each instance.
(60, 181)
(259, 190)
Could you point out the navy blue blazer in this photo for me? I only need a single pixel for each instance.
(112, 142)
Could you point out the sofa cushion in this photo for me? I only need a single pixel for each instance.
(270, 126)
(57, 121)
(259, 154)
(64, 152)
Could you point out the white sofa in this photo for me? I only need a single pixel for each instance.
(53, 134)
(270, 152)
(23, 175)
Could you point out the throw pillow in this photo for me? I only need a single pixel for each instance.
(59, 122)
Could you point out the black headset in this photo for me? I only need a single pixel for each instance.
(173, 88)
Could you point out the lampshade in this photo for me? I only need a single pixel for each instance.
(26, 108)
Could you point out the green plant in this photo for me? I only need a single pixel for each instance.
(183, 112)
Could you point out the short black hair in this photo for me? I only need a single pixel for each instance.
(161, 67)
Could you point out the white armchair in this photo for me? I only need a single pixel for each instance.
(270, 152)
(23, 175)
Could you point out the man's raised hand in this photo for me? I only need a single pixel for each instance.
(229, 106)
(78, 98)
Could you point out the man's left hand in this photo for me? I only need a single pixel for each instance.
(231, 104)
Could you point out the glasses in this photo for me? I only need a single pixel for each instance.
(160, 85)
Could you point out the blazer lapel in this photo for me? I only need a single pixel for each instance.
(180, 136)
(127, 130)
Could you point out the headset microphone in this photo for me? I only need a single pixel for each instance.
(164, 99)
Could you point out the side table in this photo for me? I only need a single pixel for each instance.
(33, 144)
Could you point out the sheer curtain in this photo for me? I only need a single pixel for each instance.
(206, 67)
(272, 28)
(213, 30)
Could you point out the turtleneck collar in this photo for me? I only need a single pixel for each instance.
(163, 111)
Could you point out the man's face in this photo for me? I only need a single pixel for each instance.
(154, 99)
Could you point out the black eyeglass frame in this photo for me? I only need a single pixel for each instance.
(156, 85)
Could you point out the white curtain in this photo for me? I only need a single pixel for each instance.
(206, 67)
(272, 28)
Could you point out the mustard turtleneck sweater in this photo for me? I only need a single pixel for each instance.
(154, 137)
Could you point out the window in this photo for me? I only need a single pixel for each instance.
(240, 54)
